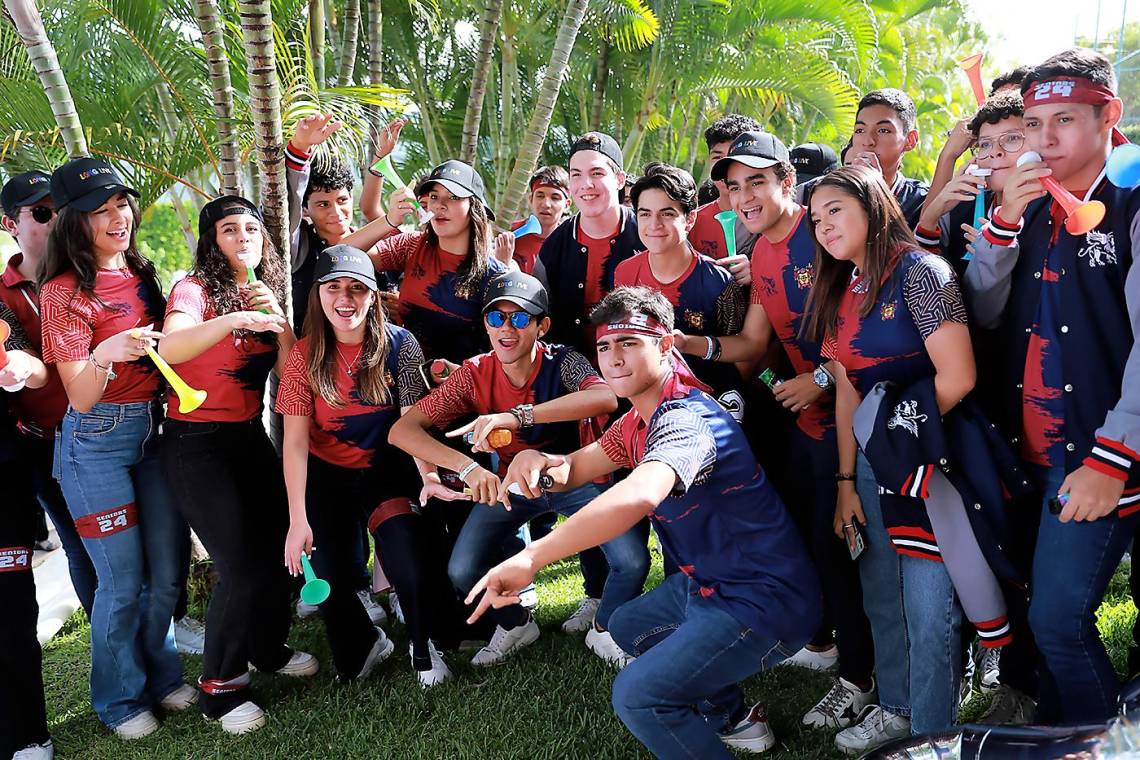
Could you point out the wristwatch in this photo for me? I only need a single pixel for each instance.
(822, 378)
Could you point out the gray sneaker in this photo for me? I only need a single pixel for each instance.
(876, 726)
(753, 734)
(1009, 708)
(840, 707)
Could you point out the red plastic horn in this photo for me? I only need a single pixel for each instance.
(973, 68)
(5, 331)
(1080, 216)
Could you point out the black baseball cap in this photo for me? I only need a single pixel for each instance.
(24, 190)
(812, 160)
(460, 179)
(86, 184)
(219, 208)
(345, 261)
(602, 143)
(756, 149)
(521, 289)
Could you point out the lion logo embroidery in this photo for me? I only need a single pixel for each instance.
(462, 291)
(1100, 249)
(695, 319)
(887, 311)
(907, 417)
(805, 276)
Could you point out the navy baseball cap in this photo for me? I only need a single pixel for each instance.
(345, 261)
(756, 149)
(812, 160)
(24, 190)
(460, 179)
(86, 184)
(521, 289)
(600, 142)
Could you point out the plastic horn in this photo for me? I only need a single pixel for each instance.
(498, 438)
(973, 68)
(532, 227)
(189, 399)
(315, 590)
(727, 220)
(1080, 216)
(246, 258)
(384, 166)
(5, 331)
(979, 202)
(1123, 167)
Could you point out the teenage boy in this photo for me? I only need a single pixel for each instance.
(29, 214)
(707, 235)
(549, 201)
(761, 185)
(1068, 307)
(747, 595)
(538, 392)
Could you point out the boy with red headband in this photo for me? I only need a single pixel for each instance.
(1069, 307)
(747, 596)
(549, 201)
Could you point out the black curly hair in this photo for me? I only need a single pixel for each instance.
(330, 174)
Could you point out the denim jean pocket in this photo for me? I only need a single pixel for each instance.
(89, 425)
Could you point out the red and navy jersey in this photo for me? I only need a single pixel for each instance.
(36, 409)
(354, 434)
(232, 372)
(919, 294)
(526, 248)
(445, 316)
(724, 525)
(707, 235)
(480, 386)
(782, 276)
(75, 323)
(599, 271)
(706, 301)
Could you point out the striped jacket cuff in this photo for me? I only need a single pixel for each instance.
(295, 158)
(1111, 458)
(994, 633)
(999, 232)
(931, 240)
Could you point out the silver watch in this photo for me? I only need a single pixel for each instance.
(821, 377)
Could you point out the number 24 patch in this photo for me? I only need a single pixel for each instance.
(108, 523)
(15, 558)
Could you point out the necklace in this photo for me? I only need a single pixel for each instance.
(347, 364)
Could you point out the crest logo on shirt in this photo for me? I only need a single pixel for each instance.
(907, 417)
(1099, 249)
(695, 319)
(887, 311)
(462, 291)
(805, 276)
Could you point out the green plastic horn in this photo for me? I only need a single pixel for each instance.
(384, 166)
(250, 276)
(315, 590)
(727, 220)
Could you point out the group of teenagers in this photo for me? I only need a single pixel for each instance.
(880, 434)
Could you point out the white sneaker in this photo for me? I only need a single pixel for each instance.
(840, 707)
(35, 752)
(47, 545)
(603, 645)
(301, 664)
(989, 668)
(1009, 708)
(504, 642)
(143, 724)
(583, 618)
(397, 611)
(243, 719)
(182, 698)
(439, 671)
(375, 612)
(305, 610)
(753, 734)
(189, 636)
(876, 726)
(381, 651)
(822, 662)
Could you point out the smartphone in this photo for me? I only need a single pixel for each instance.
(768, 377)
(854, 538)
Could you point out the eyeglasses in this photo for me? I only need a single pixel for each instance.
(42, 214)
(1010, 142)
(518, 319)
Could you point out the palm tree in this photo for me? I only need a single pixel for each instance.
(218, 64)
(317, 38)
(26, 18)
(488, 33)
(348, 43)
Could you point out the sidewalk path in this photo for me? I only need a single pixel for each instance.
(54, 593)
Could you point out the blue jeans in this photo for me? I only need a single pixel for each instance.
(1072, 566)
(688, 652)
(476, 550)
(108, 463)
(916, 623)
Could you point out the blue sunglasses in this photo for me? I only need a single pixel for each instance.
(518, 319)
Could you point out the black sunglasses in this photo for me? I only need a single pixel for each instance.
(518, 319)
(42, 214)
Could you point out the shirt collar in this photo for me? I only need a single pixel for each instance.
(11, 277)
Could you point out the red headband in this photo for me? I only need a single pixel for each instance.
(548, 183)
(1067, 90)
(637, 324)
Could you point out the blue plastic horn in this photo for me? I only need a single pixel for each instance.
(1123, 168)
(532, 227)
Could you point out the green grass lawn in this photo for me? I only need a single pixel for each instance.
(550, 701)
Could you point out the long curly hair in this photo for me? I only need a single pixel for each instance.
(216, 274)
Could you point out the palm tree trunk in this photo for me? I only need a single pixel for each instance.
(317, 39)
(265, 110)
(218, 66)
(543, 107)
(509, 81)
(348, 43)
(375, 63)
(488, 33)
(30, 26)
(601, 76)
